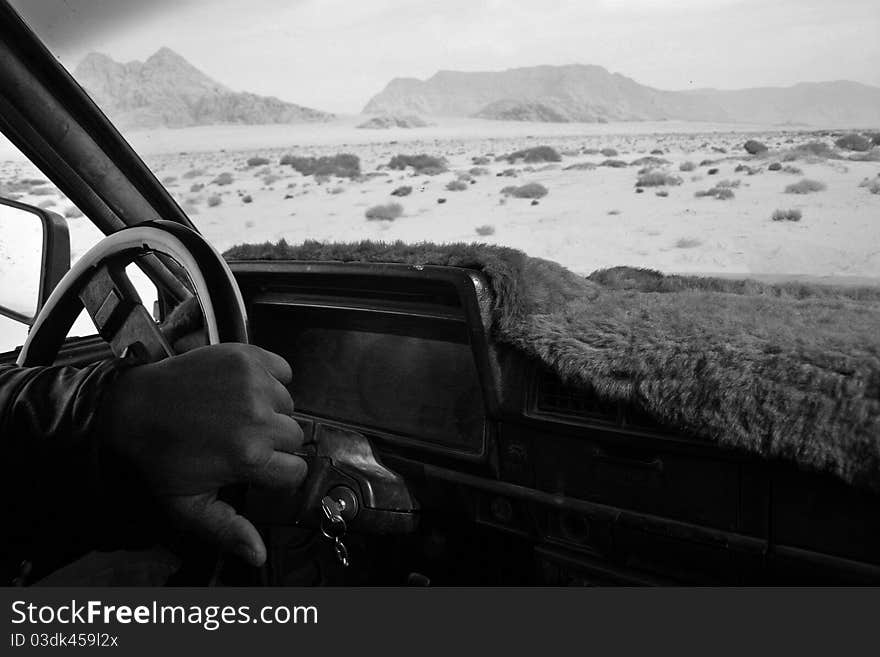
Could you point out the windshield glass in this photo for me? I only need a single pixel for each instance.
(728, 137)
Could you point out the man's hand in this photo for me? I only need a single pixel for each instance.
(211, 417)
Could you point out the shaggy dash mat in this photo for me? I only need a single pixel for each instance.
(789, 371)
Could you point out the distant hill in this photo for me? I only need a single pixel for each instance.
(592, 94)
(167, 91)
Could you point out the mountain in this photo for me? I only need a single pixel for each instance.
(168, 91)
(590, 93)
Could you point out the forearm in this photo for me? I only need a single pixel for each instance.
(52, 451)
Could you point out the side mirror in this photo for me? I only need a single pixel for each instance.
(34, 256)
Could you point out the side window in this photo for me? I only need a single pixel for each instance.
(21, 247)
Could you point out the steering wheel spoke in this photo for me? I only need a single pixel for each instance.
(119, 315)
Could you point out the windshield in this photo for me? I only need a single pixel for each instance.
(732, 137)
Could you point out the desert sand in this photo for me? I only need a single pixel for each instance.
(592, 216)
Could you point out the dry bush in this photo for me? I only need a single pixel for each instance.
(649, 161)
(657, 179)
(796, 171)
(535, 154)
(485, 230)
(196, 187)
(456, 185)
(727, 184)
(754, 147)
(720, 193)
(608, 152)
(775, 166)
(687, 166)
(223, 179)
(403, 190)
(805, 186)
(422, 164)
(193, 173)
(529, 190)
(872, 184)
(854, 142)
(214, 200)
(257, 161)
(687, 243)
(615, 164)
(786, 215)
(341, 165)
(580, 166)
(387, 212)
(478, 171)
(480, 159)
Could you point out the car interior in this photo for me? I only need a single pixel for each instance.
(440, 452)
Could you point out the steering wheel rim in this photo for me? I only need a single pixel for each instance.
(211, 279)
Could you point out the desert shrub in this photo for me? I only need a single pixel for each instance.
(72, 212)
(456, 185)
(48, 203)
(535, 154)
(874, 137)
(42, 191)
(707, 163)
(196, 187)
(615, 164)
(649, 161)
(687, 166)
(387, 212)
(478, 171)
(776, 166)
(247, 198)
(789, 168)
(727, 184)
(257, 161)
(817, 148)
(608, 152)
(507, 173)
(872, 184)
(214, 200)
(657, 151)
(193, 173)
(657, 179)
(662, 193)
(421, 164)
(872, 155)
(853, 142)
(529, 190)
(404, 190)
(805, 186)
(485, 230)
(580, 166)
(753, 147)
(336, 190)
(480, 159)
(720, 193)
(223, 179)
(786, 215)
(687, 243)
(168, 180)
(711, 172)
(341, 165)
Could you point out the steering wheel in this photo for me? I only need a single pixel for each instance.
(98, 283)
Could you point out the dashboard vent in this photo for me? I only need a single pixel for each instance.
(555, 397)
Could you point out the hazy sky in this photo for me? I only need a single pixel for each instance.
(335, 54)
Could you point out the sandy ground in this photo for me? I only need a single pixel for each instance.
(591, 218)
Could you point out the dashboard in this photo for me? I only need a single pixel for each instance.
(588, 491)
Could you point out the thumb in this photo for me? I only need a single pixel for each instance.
(217, 522)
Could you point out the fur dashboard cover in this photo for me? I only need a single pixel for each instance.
(788, 371)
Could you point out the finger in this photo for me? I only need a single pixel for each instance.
(233, 533)
(286, 434)
(281, 471)
(274, 364)
(279, 396)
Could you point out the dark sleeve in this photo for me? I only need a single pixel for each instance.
(52, 484)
